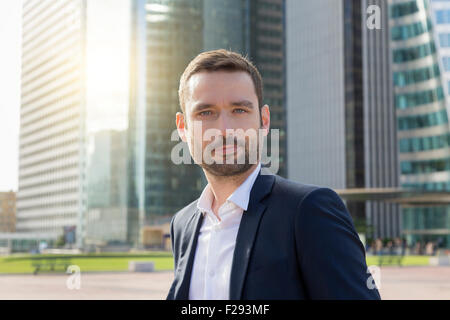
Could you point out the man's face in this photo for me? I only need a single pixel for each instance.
(217, 104)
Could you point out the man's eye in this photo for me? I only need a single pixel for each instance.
(205, 113)
(239, 110)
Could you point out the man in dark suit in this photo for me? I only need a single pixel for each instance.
(253, 235)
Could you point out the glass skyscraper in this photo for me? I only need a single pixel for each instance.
(51, 117)
(341, 124)
(440, 16)
(106, 217)
(422, 115)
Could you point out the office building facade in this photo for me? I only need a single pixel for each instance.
(341, 119)
(51, 117)
(422, 115)
(440, 17)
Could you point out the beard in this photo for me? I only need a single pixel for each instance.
(225, 169)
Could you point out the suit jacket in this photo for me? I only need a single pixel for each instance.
(295, 241)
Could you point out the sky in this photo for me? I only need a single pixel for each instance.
(10, 53)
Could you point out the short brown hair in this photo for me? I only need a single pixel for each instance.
(220, 60)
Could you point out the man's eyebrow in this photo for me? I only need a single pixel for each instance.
(201, 106)
(243, 103)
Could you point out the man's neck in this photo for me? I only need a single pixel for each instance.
(222, 186)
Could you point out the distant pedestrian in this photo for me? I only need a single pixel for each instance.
(429, 248)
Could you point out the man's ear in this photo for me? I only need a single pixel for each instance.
(265, 119)
(181, 126)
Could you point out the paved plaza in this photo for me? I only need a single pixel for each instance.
(396, 283)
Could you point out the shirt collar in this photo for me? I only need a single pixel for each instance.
(240, 196)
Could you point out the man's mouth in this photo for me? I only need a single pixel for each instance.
(227, 149)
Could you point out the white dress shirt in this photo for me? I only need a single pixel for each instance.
(210, 278)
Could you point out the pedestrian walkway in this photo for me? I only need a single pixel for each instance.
(396, 283)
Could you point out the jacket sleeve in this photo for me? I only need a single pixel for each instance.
(172, 238)
(330, 253)
(170, 295)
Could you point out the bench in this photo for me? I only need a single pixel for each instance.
(141, 266)
(50, 263)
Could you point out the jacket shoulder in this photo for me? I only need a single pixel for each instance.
(290, 189)
(183, 214)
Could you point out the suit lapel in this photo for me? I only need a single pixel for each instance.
(247, 233)
(190, 236)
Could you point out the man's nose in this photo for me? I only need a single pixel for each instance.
(224, 123)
